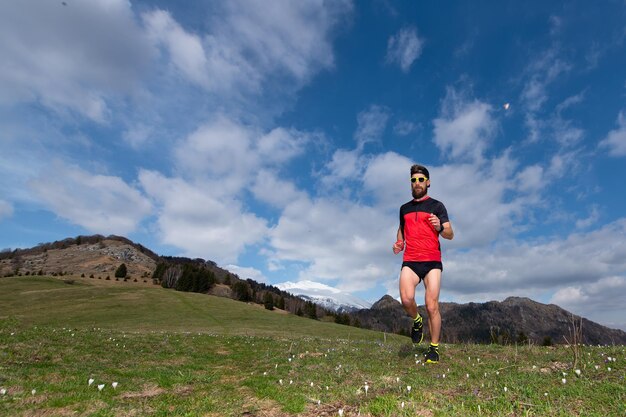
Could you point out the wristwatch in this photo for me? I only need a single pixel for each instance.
(440, 230)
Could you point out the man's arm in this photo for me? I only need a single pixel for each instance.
(447, 232)
(399, 245)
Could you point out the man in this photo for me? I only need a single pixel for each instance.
(422, 221)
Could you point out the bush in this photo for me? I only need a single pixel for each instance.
(121, 271)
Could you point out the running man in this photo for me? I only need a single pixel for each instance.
(422, 221)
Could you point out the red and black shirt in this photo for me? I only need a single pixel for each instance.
(421, 239)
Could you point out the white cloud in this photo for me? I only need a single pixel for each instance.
(404, 127)
(270, 188)
(590, 220)
(250, 43)
(6, 209)
(344, 166)
(192, 217)
(464, 128)
(386, 179)
(404, 48)
(599, 300)
(474, 196)
(75, 57)
(230, 154)
(533, 267)
(615, 141)
(247, 272)
(99, 203)
(371, 124)
(336, 240)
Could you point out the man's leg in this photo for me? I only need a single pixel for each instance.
(432, 284)
(408, 282)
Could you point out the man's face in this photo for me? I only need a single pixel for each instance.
(419, 185)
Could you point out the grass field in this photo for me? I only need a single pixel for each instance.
(185, 354)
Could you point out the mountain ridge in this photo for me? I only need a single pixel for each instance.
(516, 319)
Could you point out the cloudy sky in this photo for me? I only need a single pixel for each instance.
(275, 137)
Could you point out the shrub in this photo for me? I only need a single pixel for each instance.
(121, 271)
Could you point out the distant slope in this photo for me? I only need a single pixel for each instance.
(505, 322)
(138, 307)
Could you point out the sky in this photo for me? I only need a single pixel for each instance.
(275, 138)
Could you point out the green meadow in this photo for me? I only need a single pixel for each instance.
(107, 348)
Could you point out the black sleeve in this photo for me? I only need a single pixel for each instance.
(442, 213)
(401, 222)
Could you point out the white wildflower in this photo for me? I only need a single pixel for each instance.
(3, 391)
(564, 380)
(505, 389)
(34, 392)
(577, 372)
(90, 381)
(340, 412)
(114, 385)
(408, 388)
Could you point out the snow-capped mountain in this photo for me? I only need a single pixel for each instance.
(324, 295)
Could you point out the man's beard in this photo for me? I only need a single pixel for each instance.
(419, 192)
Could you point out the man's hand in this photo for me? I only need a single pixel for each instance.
(398, 247)
(435, 222)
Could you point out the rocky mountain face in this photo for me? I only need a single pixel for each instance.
(93, 255)
(513, 320)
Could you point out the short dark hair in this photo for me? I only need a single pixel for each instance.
(420, 169)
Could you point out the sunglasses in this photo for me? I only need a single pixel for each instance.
(420, 179)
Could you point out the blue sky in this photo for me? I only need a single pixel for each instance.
(275, 138)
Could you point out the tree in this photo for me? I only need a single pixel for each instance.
(121, 271)
(268, 301)
(310, 310)
(159, 271)
(281, 303)
(242, 291)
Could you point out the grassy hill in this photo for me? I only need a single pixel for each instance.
(174, 353)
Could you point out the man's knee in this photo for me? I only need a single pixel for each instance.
(432, 306)
(407, 302)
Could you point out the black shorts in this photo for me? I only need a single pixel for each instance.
(422, 268)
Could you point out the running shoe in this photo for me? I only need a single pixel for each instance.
(432, 356)
(417, 331)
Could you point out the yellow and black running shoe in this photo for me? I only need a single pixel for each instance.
(417, 331)
(432, 356)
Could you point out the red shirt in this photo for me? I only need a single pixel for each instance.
(421, 239)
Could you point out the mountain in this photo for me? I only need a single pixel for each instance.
(325, 296)
(513, 320)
